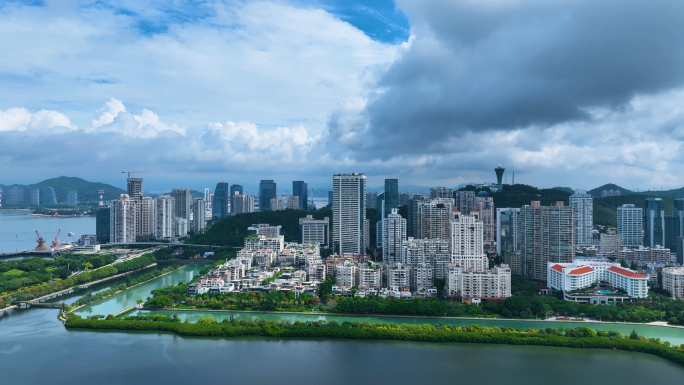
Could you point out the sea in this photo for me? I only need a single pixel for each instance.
(18, 229)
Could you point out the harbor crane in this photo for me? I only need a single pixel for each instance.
(41, 243)
(55, 242)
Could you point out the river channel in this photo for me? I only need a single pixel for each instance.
(35, 348)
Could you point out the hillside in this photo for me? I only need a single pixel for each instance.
(596, 193)
(232, 231)
(519, 195)
(605, 209)
(666, 193)
(87, 191)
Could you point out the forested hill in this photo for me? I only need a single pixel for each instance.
(605, 209)
(231, 231)
(87, 191)
(518, 195)
(596, 192)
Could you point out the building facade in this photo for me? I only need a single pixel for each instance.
(300, 189)
(315, 230)
(164, 212)
(267, 191)
(220, 201)
(583, 204)
(548, 235)
(673, 281)
(123, 220)
(393, 236)
(391, 196)
(199, 216)
(349, 213)
(630, 225)
(181, 199)
(654, 222)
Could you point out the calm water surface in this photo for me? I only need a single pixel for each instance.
(35, 348)
(18, 229)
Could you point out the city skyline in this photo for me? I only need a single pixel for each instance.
(349, 108)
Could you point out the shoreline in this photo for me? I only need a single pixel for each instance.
(60, 216)
(656, 323)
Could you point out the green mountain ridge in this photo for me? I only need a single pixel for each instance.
(87, 191)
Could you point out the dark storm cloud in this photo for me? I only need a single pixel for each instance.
(499, 65)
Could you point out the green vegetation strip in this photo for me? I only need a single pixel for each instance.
(581, 337)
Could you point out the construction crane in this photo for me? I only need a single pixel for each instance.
(55, 242)
(41, 243)
(138, 172)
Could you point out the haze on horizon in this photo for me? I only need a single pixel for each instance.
(435, 93)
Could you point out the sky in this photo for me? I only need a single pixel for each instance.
(573, 93)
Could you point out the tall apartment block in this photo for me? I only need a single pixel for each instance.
(484, 204)
(393, 236)
(391, 196)
(314, 231)
(242, 203)
(134, 187)
(412, 220)
(583, 204)
(349, 213)
(433, 218)
(102, 224)
(293, 202)
(164, 211)
(235, 189)
(267, 191)
(630, 225)
(547, 235)
(465, 201)
(145, 225)
(441, 192)
(508, 238)
(466, 235)
(181, 198)
(123, 220)
(199, 216)
(301, 190)
(219, 203)
(654, 222)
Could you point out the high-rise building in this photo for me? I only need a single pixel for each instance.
(293, 202)
(583, 204)
(102, 224)
(243, 203)
(484, 204)
(330, 198)
(412, 220)
(181, 198)
(199, 217)
(164, 212)
(441, 192)
(465, 201)
(123, 220)
(145, 226)
(630, 225)
(654, 222)
(219, 203)
(267, 191)
(48, 196)
(393, 236)
(391, 196)
(236, 188)
(349, 213)
(314, 231)
(134, 187)
(372, 201)
(548, 235)
(674, 224)
(72, 198)
(466, 234)
(301, 190)
(433, 218)
(507, 230)
(276, 204)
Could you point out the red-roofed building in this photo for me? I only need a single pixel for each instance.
(635, 284)
(569, 276)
